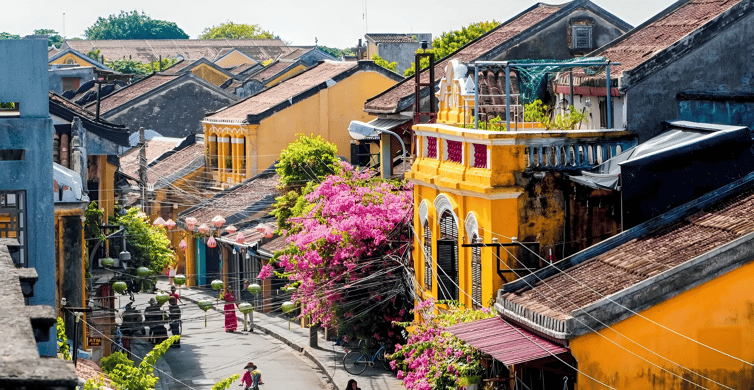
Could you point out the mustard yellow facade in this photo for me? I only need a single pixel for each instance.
(240, 151)
(210, 74)
(71, 59)
(292, 72)
(719, 314)
(234, 58)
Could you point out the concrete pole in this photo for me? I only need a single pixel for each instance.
(143, 169)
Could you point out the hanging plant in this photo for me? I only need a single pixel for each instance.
(205, 305)
(217, 284)
(107, 262)
(120, 287)
(245, 307)
(162, 297)
(143, 272)
(179, 280)
(254, 288)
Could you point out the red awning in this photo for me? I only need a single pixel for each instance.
(505, 342)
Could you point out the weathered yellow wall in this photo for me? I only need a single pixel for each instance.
(719, 313)
(235, 58)
(287, 74)
(210, 74)
(71, 57)
(106, 187)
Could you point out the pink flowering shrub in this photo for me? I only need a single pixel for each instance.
(432, 358)
(346, 252)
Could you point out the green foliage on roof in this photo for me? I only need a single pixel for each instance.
(127, 66)
(383, 63)
(53, 38)
(5, 35)
(133, 25)
(230, 30)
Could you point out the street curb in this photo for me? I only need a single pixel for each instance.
(291, 344)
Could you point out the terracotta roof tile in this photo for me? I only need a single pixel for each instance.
(274, 245)
(174, 163)
(241, 68)
(283, 91)
(639, 259)
(141, 87)
(388, 100)
(129, 161)
(178, 66)
(391, 38)
(271, 70)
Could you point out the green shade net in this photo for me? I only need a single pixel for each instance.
(531, 78)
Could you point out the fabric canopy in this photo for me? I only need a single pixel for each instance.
(504, 341)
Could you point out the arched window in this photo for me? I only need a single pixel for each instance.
(447, 257)
(476, 274)
(427, 257)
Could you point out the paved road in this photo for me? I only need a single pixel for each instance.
(209, 354)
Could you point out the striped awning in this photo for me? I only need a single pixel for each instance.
(504, 341)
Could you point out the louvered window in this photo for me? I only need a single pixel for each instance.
(447, 258)
(427, 257)
(581, 37)
(476, 275)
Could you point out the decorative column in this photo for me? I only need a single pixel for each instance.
(223, 151)
(238, 155)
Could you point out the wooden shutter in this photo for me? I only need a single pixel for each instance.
(447, 258)
(476, 275)
(427, 257)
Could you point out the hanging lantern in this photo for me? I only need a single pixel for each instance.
(190, 223)
(231, 229)
(240, 238)
(245, 307)
(120, 287)
(211, 243)
(203, 229)
(159, 222)
(183, 245)
(179, 280)
(217, 284)
(254, 288)
(143, 271)
(107, 262)
(218, 221)
(205, 305)
(162, 297)
(289, 289)
(288, 306)
(170, 224)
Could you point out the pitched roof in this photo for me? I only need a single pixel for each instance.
(66, 109)
(178, 67)
(657, 34)
(156, 147)
(391, 38)
(388, 101)
(250, 199)
(149, 50)
(273, 69)
(301, 83)
(133, 91)
(86, 58)
(176, 166)
(659, 249)
(242, 68)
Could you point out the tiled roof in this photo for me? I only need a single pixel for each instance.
(129, 161)
(391, 38)
(67, 109)
(241, 68)
(271, 70)
(283, 91)
(639, 259)
(295, 54)
(642, 43)
(149, 50)
(274, 245)
(176, 165)
(388, 100)
(178, 66)
(240, 202)
(133, 91)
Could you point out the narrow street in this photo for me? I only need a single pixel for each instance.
(209, 354)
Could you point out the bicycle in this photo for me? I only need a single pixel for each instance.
(356, 362)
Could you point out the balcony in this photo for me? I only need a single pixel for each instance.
(487, 161)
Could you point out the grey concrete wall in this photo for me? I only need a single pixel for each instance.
(23, 79)
(402, 53)
(56, 77)
(175, 112)
(721, 64)
(714, 111)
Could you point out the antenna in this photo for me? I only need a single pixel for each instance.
(63, 25)
(366, 19)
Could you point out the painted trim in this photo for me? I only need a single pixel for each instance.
(472, 225)
(223, 139)
(423, 211)
(236, 140)
(442, 204)
(507, 195)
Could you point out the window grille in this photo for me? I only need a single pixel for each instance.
(447, 258)
(427, 257)
(432, 147)
(581, 37)
(480, 156)
(476, 275)
(455, 151)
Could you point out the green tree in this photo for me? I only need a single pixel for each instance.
(128, 66)
(5, 35)
(149, 245)
(63, 347)
(125, 376)
(94, 54)
(133, 25)
(538, 112)
(225, 383)
(53, 38)
(335, 52)
(383, 63)
(230, 30)
(450, 41)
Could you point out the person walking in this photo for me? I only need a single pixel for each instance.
(174, 293)
(352, 385)
(174, 313)
(252, 378)
(231, 321)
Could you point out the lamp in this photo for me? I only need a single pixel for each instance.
(359, 131)
(424, 45)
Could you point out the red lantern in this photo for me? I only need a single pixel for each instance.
(211, 243)
(240, 238)
(218, 221)
(231, 229)
(159, 222)
(203, 229)
(182, 245)
(190, 223)
(170, 224)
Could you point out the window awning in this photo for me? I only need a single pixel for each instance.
(505, 342)
(375, 125)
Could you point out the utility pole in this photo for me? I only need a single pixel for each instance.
(143, 169)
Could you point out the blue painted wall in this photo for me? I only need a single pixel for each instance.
(24, 79)
(201, 269)
(717, 111)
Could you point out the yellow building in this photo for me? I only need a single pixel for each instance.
(234, 58)
(72, 57)
(476, 186)
(245, 138)
(664, 305)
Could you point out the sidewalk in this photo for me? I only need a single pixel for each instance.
(327, 356)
